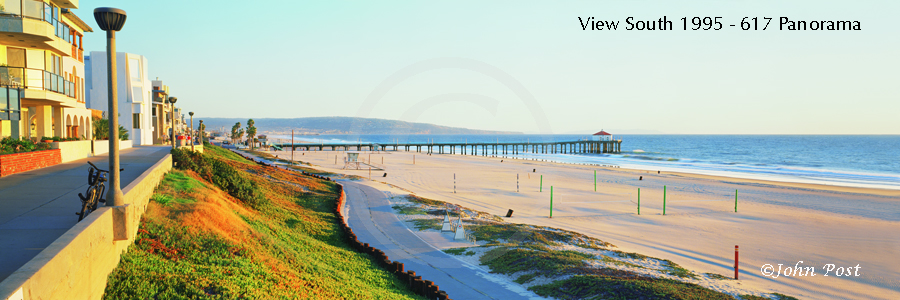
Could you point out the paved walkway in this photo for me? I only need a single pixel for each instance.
(38, 206)
(373, 220)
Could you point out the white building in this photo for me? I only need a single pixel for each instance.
(134, 88)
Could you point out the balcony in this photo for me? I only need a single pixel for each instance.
(34, 24)
(37, 83)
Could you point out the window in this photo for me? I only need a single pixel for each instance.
(4, 104)
(134, 66)
(57, 64)
(9, 103)
(136, 121)
(15, 57)
(34, 59)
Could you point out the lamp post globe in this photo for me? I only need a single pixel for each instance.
(111, 20)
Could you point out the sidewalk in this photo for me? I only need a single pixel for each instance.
(373, 221)
(38, 206)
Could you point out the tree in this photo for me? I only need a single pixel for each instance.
(101, 130)
(251, 132)
(236, 132)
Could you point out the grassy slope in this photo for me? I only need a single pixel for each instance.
(196, 241)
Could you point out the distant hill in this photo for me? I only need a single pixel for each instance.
(341, 125)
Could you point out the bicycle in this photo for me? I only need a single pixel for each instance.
(95, 191)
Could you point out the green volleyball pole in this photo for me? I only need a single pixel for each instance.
(551, 201)
(541, 189)
(639, 201)
(664, 200)
(735, 200)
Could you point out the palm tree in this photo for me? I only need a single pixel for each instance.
(251, 132)
(236, 132)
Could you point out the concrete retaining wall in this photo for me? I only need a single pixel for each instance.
(77, 264)
(102, 146)
(73, 150)
(197, 147)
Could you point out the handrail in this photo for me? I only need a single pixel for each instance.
(49, 81)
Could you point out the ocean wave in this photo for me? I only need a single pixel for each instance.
(644, 157)
(776, 172)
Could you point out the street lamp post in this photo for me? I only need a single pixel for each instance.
(172, 111)
(112, 20)
(191, 134)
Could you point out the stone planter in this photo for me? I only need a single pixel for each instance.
(102, 146)
(27, 161)
(73, 150)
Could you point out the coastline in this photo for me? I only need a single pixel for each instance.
(737, 178)
(824, 168)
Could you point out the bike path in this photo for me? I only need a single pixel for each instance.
(38, 206)
(373, 221)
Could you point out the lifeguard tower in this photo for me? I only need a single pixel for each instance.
(351, 161)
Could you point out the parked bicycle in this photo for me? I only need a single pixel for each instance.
(95, 192)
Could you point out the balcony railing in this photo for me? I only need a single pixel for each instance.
(36, 79)
(37, 10)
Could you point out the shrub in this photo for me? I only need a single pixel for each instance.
(11, 145)
(221, 174)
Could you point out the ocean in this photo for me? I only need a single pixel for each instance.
(843, 160)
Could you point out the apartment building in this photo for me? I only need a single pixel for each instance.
(42, 70)
(134, 92)
(162, 114)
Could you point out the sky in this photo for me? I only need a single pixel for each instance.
(524, 66)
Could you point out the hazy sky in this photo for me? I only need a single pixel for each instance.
(524, 65)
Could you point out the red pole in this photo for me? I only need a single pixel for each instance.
(735, 262)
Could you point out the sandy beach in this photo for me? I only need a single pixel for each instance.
(830, 229)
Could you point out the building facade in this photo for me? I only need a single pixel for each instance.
(162, 114)
(42, 72)
(135, 92)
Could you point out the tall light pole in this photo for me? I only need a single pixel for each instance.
(191, 134)
(111, 20)
(172, 111)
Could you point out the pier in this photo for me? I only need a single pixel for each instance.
(485, 149)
